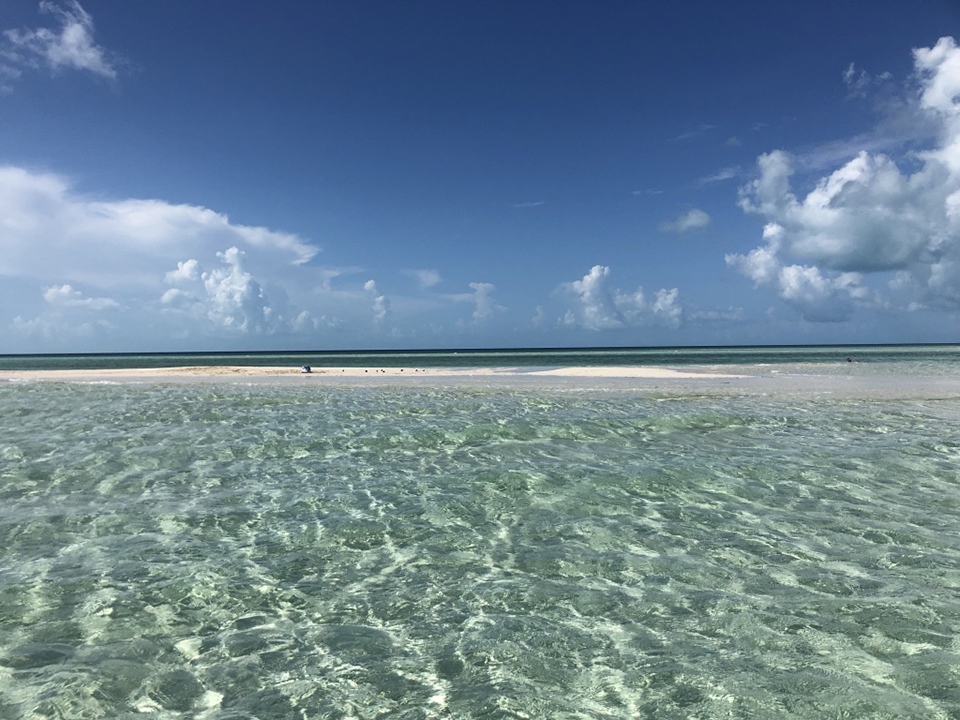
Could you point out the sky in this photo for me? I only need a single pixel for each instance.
(218, 176)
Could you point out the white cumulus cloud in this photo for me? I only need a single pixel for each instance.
(381, 305)
(228, 296)
(186, 271)
(84, 255)
(235, 299)
(484, 304)
(868, 216)
(818, 296)
(67, 296)
(600, 307)
(145, 273)
(52, 233)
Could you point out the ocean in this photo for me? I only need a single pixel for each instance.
(782, 546)
(896, 358)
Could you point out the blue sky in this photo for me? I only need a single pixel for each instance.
(289, 175)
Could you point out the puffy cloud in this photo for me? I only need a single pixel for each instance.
(129, 255)
(235, 299)
(483, 301)
(866, 216)
(939, 69)
(484, 305)
(70, 45)
(666, 307)
(228, 297)
(177, 275)
(69, 316)
(381, 306)
(186, 271)
(175, 297)
(818, 297)
(52, 233)
(597, 309)
(600, 307)
(762, 264)
(693, 219)
(66, 296)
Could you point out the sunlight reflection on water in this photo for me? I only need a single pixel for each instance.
(274, 551)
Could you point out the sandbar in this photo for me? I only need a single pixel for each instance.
(253, 372)
(810, 382)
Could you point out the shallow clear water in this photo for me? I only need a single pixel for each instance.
(324, 551)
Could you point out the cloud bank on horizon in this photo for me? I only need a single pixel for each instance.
(873, 234)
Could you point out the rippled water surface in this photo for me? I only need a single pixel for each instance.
(307, 551)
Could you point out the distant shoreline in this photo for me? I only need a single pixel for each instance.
(740, 359)
(253, 372)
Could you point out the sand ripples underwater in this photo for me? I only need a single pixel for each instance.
(301, 552)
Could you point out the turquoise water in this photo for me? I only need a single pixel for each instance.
(310, 550)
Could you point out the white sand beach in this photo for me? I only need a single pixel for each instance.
(254, 372)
